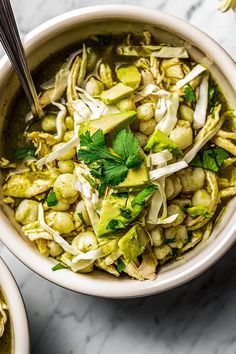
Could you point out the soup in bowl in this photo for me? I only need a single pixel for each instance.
(131, 171)
(5, 327)
(14, 335)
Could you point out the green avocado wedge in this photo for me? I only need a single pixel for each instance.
(129, 75)
(159, 141)
(109, 123)
(120, 209)
(116, 93)
(133, 243)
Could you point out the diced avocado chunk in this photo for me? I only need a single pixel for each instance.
(120, 209)
(159, 141)
(116, 213)
(109, 123)
(133, 243)
(116, 93)
(129, 75)
(136, 177)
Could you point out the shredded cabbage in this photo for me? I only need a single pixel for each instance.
(60, 120)
(200, 113)
(197, 70)
(56, 236)
(160, 157)
(167, 170)
(168, 122)
(211, 127)
(55, 154)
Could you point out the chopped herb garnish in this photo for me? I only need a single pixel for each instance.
(52, 199)
(91, 181)
(59, 266)
(142, 196)
(211, 93)
(21, 154)
(120, 195)
(210, 159)
(126, 213)
(115, 225)
(190, 236)
(170, 240)
(80, 215)
(110, 167)
(100, 187)
(189, 94)
(120, 266)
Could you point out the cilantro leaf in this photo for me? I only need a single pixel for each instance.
(100, 187)
(211, 93)
(121, 195)
(125, 144)
(110, 167)
(133, 161)
(126, 213)
(190, 236)
(189, 94)
(93, 148)
(91, 181)
(210, 159)
(142, 196)
(170, 240)
(59, 266)
(115, 225)
(114, 172)
(52, 199)
(21, 154)
(80, 215)
(120, 266)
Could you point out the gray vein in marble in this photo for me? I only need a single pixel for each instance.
(193, 9)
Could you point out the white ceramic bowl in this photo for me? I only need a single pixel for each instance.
(17, 312)
(74, 26)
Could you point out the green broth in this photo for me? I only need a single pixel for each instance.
(6, 341)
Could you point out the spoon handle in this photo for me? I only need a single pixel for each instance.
(10, 39)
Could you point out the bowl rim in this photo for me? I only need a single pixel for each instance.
(17, 310)
(226, 65)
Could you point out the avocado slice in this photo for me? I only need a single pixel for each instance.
(120, 209)
(159, 141)
(129, 76)
(133, 243)
(116, 213)
(136, 178)
(116, 93)
(109, 122)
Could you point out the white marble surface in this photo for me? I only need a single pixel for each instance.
(198, 317)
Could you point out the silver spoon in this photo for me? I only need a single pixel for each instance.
(10, 39)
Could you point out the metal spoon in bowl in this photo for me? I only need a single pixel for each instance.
(10, 39)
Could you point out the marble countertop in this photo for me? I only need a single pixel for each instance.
(197, 317)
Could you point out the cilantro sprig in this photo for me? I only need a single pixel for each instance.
(21, 154)
(120, 266)
(110, 166)
(189, 94)
(52, 199)
(210, 159)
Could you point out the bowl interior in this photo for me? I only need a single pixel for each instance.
(74, 27)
